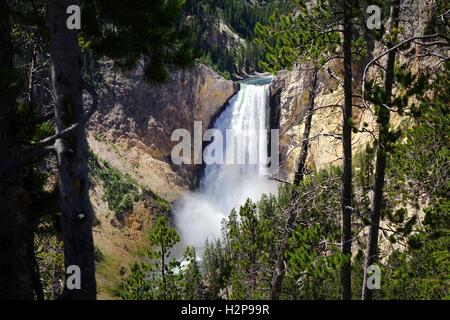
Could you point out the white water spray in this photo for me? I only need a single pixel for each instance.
(198, 215)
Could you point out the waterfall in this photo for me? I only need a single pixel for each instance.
(198, 215)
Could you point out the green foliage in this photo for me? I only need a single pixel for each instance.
(313, 257)
(314, 262)
(150, 31)
(241, 16)
(419, 168)
(319, 194)
(310, 32)
(252, 239)
(421, 164)
(122, 191)
(422, 271)
(50, 257)
(161, 276)
(292, 37)
(241, 265)
(137, 285)
(192, 285)
(217, 268)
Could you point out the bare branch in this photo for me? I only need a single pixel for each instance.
(386, 52)
(43, 147)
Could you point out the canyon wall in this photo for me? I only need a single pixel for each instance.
(131, 132)
(290, 92)
(133, 124)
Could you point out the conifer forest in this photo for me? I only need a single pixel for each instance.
(246, 150)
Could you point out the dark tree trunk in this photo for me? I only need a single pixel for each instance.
(72, 151)
(278, 275)
(380, 166)
(346, 197)
(15, 276)
(35, 272)
(301, 166)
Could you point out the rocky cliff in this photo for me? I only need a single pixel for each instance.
(290, 91)
(130, 136)
(134, 122)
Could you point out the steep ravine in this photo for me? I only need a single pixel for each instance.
(289, 96)
(130, 134)
(133, 125)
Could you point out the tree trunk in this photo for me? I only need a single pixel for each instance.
(346, 197)
(35, 272)
(15, 275)
(380, 167)
(278, 275)
(72, 151)
(301, 166)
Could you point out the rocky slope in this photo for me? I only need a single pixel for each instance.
(130, 134)
(289, 99)
(134, 122)
(290, 94)
(132, 128)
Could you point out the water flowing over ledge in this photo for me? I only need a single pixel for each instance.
(198, 215)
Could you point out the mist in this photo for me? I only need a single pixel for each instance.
(199, 214)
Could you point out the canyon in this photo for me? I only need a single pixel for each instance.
(133, 126)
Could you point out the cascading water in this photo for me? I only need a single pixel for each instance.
(198, 215)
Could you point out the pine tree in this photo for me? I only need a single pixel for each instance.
(152, 34)
(252, 249)
(71, 150)
(160, 276)
(15, 269)
(313, 33)
(419, 167)
(164, 237)
(382, 150)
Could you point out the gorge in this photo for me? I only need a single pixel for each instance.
(198, 215)
(225, 149)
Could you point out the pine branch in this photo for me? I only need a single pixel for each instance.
(46, 146)
(387, 52)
